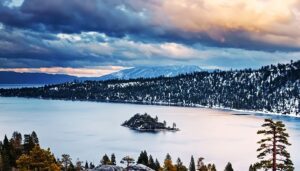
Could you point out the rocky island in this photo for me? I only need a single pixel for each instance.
(146, 123)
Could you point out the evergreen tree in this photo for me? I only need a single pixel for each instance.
(192, 166)
(143, 158)
(179, 165)
(211, 167)
(34, 138)
(113, 159)
(92, 166)
(105, 160)
(72, 167)
(168, 157)
(6, 156)
(201, 166)
(15, 148)
(29, 143)
(228, 167)
(157, 165)
(86, 166)
(151, 163)
(168, 165)
(274, 143)
(252, 168)
(16, 140)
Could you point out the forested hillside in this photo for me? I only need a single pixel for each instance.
(269, 89)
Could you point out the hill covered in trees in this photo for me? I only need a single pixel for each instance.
(273, 88)
(146, 123)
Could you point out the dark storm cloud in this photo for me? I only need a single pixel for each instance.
(142, 20)
(112, 17)
(29, 49)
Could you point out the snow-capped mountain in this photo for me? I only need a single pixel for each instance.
(151, 72)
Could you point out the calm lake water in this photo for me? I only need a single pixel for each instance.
(88, 130)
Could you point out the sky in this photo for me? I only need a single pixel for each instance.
(96, 37)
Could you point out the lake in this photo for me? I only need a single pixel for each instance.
(88, 130)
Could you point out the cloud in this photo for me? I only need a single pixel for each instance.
(86, 34)
(112, 17)
(271, 23)
(268, 25)
(27, 49)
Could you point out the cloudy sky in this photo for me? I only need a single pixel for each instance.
(95, 37)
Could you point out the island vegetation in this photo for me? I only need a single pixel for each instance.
(24, 153)
(146, 123)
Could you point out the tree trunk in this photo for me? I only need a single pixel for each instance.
(274, 150)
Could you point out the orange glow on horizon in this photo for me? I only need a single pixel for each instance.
(81, 72)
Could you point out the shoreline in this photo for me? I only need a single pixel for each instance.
(292, 115)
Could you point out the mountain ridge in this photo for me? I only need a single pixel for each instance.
(152, 72)
(271, 89)
(11, 77)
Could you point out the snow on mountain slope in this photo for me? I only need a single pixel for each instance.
(152, 72)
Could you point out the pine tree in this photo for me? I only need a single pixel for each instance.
(35, 138)
(211, 167)
(168, 165)
(228, 167)
(192, 165)
(92, 166)
(86, 166)
(30, 141)
(274, 143)
(105, 160)
(15, 148)
(179, 165)
(151, 163)
(157, 165)
(6, 156)
(143, 158)
(113, 159)
(252, 168)
(72, 167)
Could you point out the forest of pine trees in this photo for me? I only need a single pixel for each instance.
(268, 89)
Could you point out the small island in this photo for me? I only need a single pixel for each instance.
(146, 123)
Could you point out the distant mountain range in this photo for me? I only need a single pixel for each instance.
(7, 77)
(152, 72)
